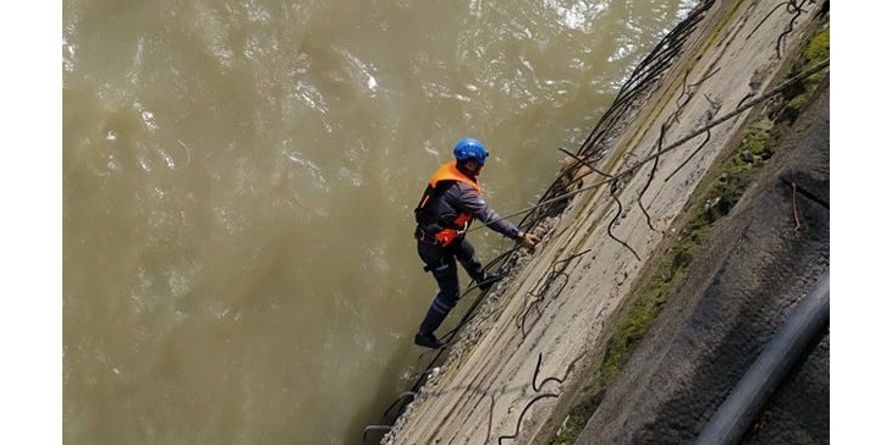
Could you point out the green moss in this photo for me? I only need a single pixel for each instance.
(578, 418)
(817, 49)
(669, 270)
(736, 175)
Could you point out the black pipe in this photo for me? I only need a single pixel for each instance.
(744, 404)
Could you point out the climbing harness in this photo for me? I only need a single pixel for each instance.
(437, 220)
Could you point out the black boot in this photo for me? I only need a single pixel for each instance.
(428, 341)
(488, 279)
(434, 318)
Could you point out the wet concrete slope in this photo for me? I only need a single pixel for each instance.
(758, 263)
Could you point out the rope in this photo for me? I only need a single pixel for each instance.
(592, 151)
(630, 170)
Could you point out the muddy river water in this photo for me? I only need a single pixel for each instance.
(239, 179)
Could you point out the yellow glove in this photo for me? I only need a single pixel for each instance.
(528, 240)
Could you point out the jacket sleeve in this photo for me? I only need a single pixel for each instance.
(470, 202)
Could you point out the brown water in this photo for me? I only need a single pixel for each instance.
(239, 177)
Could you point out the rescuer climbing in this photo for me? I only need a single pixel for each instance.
(435, 217)
(450, 202)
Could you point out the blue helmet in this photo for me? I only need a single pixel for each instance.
(469, 149)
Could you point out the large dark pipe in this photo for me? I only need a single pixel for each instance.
(744, 404)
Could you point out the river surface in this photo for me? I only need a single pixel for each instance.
(239, 179)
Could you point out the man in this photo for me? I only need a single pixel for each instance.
(451, 201)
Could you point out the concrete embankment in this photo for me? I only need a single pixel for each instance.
(540, 340)
(753, 269)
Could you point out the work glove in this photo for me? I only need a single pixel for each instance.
(528, 240)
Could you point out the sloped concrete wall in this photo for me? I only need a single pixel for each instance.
(738, 293)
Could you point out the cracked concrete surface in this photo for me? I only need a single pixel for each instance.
(495, 361)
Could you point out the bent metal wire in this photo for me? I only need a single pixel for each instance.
(554, 200)
(643, 78)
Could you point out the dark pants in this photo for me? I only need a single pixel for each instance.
(440, 262)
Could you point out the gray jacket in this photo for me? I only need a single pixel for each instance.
(465, 199)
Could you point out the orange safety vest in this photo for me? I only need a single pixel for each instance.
(448, 172)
